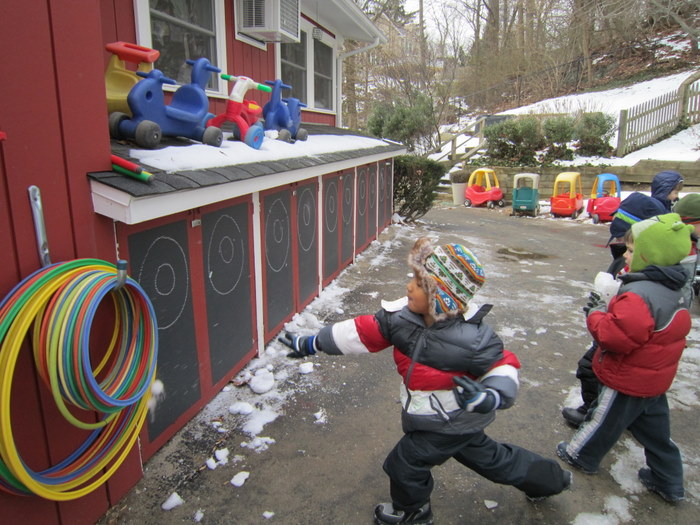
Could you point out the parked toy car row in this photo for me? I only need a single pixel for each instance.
(566, 200)
(138, 109)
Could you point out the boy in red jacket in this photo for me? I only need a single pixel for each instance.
(455, 373)
(640, 340)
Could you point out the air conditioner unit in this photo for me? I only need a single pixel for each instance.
(269, 20)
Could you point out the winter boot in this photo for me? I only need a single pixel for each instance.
(568, 481)
(385, 514)
(671, 496)
(566, 457)
(574, 416)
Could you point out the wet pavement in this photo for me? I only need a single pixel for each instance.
(337, 424)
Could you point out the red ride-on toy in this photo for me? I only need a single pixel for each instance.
(482, 188)
(605, 198)
(567, 198)
(245, 114)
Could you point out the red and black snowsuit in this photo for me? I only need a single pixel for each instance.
(640, 340)
(435, 427)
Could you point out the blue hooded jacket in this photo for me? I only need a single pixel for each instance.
(663, 184)
(638, 206)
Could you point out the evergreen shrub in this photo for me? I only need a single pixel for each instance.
(416, 180)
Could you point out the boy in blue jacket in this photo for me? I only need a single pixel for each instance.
(455, 374)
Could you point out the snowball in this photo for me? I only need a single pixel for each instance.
(490, 504)
(241, 407)
(262, 381)
(268, 514)
(606, 285)
(173, 501)
(239, 479)
(221, 456)
(306, 368)
(198, 515)
(320, 416)
(211, 463)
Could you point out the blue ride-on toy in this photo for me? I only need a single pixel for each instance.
(185, 116)
(284, 114)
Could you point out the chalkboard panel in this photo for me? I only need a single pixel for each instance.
(307, 241)
(385, 193)
(227, 284)
(160, 264)
(362, 208)
(277, 258)
(372, 202)
(331, 226)
(347, 206)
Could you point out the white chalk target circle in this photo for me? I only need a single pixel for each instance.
(347, 200)
(226, 244)
(277, 236)
(168, 280)
(306, 219)
(331, 207)
(362, 193)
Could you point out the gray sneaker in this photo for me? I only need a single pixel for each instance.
(386, 514)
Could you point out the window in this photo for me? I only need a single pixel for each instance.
(182, 30)
(293, 66)
(309, 67)
(323, 76)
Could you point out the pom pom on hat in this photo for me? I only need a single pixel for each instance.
(662, 241)
(451, 274)
(688, 208)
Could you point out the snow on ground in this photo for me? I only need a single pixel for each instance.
(684, 146)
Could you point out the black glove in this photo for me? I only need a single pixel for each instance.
(301, 345)
(595, 303)
(472, 396)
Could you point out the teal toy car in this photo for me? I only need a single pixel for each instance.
(526, 194)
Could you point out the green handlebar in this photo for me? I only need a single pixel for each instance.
(261, 87)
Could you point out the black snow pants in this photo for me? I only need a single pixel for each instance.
(408, 466)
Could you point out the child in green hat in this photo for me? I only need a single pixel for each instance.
(641, 335)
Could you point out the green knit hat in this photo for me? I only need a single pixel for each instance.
(688, 208)
(662, 241)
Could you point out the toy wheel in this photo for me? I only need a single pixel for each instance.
(537, 211)
(574, 215)
(302, 134)
(148, 134)
(490, 205)
(115, 120)
(254, 137)
(501, 203)
(212, 136)
(284, 135)
(596, 218)
(467, 203)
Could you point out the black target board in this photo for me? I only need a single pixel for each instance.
(385, 196)
(277, 258)
(372, 202)
(362, 200)
(347, 205)
(307, 240)
(160, 263)
(227, 283)
(331, 226)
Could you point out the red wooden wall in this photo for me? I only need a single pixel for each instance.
(53, 112)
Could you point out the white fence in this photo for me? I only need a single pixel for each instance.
(644, 124)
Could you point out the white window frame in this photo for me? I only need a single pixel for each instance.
(142, 15)
(307, 27)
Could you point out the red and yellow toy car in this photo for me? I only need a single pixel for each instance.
(483, 188)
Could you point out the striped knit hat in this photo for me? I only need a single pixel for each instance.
(450, 273)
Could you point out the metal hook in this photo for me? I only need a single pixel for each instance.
(42, 242)
(121, 274)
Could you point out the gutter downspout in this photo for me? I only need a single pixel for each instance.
(339, 71)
